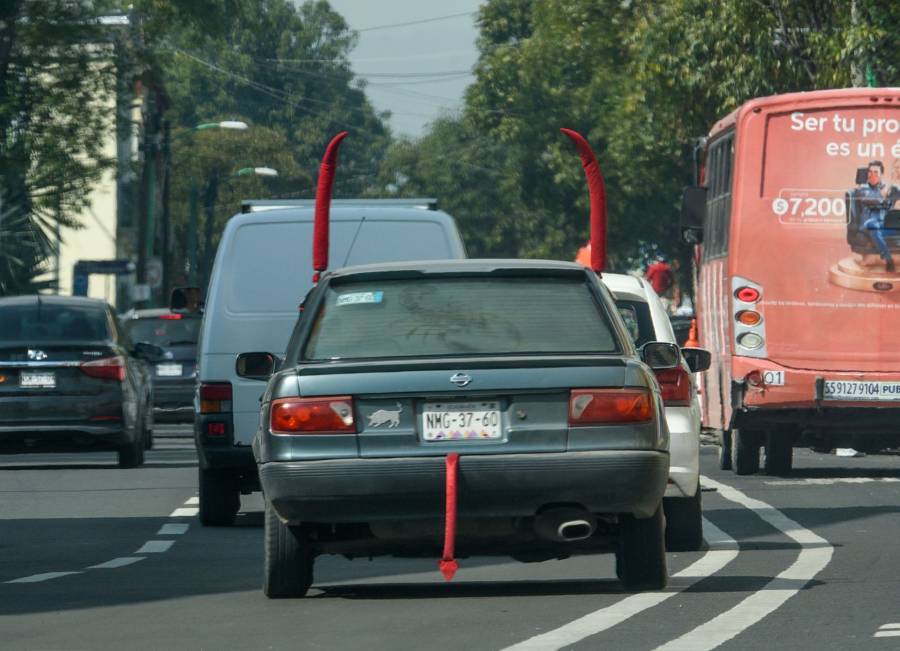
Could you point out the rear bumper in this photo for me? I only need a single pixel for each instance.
(36, 437)
(173, 395)
(363, 490)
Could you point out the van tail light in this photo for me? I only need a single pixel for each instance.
(215, 397)
(108, 368)
(609, 406)
(321, 415)
(676, 386)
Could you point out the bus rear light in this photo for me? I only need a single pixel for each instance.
(747, 294)
(748, 317)
(609, 406)
(676, 386)
(750, 340)
(328, 415)
(108, 368)
(215, 397)
(755, 379)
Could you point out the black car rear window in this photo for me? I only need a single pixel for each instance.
(459, 316)
(46, 322)
(174, 331)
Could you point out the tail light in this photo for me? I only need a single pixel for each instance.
(215, 397)
(170, 317)
(748, 317)
(330, 415)
(747, 294)
(108, 368)
(755, 378)
(676, 386)
(609, 406)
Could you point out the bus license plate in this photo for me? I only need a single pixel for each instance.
(40, 380)
(461, 421)
(852, 390)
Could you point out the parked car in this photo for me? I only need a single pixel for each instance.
(647, 320)
(522, 368)
(175, 375)
(259, 279)
(71, 379)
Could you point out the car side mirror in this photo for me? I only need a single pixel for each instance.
(693, 214)
(256, 366)
(698, 359)
(148, 352)
(660, 355)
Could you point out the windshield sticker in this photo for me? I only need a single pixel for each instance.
(359, 298)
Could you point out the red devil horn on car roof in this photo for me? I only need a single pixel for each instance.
(598, 199)
(323, 205)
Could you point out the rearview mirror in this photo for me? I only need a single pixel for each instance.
(693, 213)
(698, 359)
(660, 355)
(256, 366)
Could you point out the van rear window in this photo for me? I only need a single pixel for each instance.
(459, 316)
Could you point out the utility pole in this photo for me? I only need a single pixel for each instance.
(209, 202)
(166, 218)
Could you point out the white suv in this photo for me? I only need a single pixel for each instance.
(647, 320)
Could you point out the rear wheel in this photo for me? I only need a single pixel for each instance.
(744, 452)
(641, 554)
(684, 523)
(131, 455)
(779, 453)
(725, 450)
(288, 563)
(220, 498)
(148, 426)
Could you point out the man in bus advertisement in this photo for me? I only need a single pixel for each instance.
(876, 199)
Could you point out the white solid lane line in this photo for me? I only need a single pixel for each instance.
(184, 512)
(122, 561)
(815, 554)
(723, 551)
(172, 529)
(37, 578)
(155, 546)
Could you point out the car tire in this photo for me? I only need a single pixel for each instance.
(684, 523)
(131, 455)
(288, 563)
(725, 450)
(641, 552)
(744, 452)
(779, 454)
(148, 427)
(220, 498)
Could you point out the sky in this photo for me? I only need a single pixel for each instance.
(416, 71)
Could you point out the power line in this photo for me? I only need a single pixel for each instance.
(417, 22)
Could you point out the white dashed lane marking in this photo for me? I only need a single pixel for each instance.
(37, 578)
(888, 630)
(193, 501)
(172, 529)
(723, 550)
(184, 512)
(155, 547)
(117, 562)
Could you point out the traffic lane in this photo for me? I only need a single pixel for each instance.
(62, 513)
(853, 503)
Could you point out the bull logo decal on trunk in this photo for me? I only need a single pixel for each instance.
(37, 355)
(385, 417)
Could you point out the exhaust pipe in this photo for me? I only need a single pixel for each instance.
(565, 524)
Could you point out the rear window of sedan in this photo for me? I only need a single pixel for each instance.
(171, 330)
(459, 316)
(38, 323)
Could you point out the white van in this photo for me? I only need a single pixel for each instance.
(262, 272)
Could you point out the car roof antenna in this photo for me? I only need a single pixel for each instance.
(323, 206)
(597, 190)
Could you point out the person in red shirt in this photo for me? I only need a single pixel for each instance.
(660, 276)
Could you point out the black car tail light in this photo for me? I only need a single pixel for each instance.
(609, 406)
(108, 368)
(215, 397)
(323, 415)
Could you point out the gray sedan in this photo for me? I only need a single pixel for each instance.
(489, 407)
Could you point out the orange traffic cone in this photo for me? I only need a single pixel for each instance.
(691, 341)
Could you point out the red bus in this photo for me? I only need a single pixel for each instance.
(797, 282)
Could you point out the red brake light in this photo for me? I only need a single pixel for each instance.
(676, 386)
(755, 378)
(747, 294)
(108, 368)
(215, 397)
(609, 406)
(170, 317)
(331, 415)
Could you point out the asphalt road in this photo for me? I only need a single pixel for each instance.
(94, 557)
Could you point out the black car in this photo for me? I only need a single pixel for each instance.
(71, 379)
(174, 376)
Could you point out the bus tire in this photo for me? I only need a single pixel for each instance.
(779, 454)
(725, 450)
(744, 452)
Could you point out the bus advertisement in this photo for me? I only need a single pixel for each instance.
(798, 288)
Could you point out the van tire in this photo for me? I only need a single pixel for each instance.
(684, 523)
(744, 452)
(288, 563)
(131, 455)
(220, 498)
(641, 552)
(725, 449)
(779, 453)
